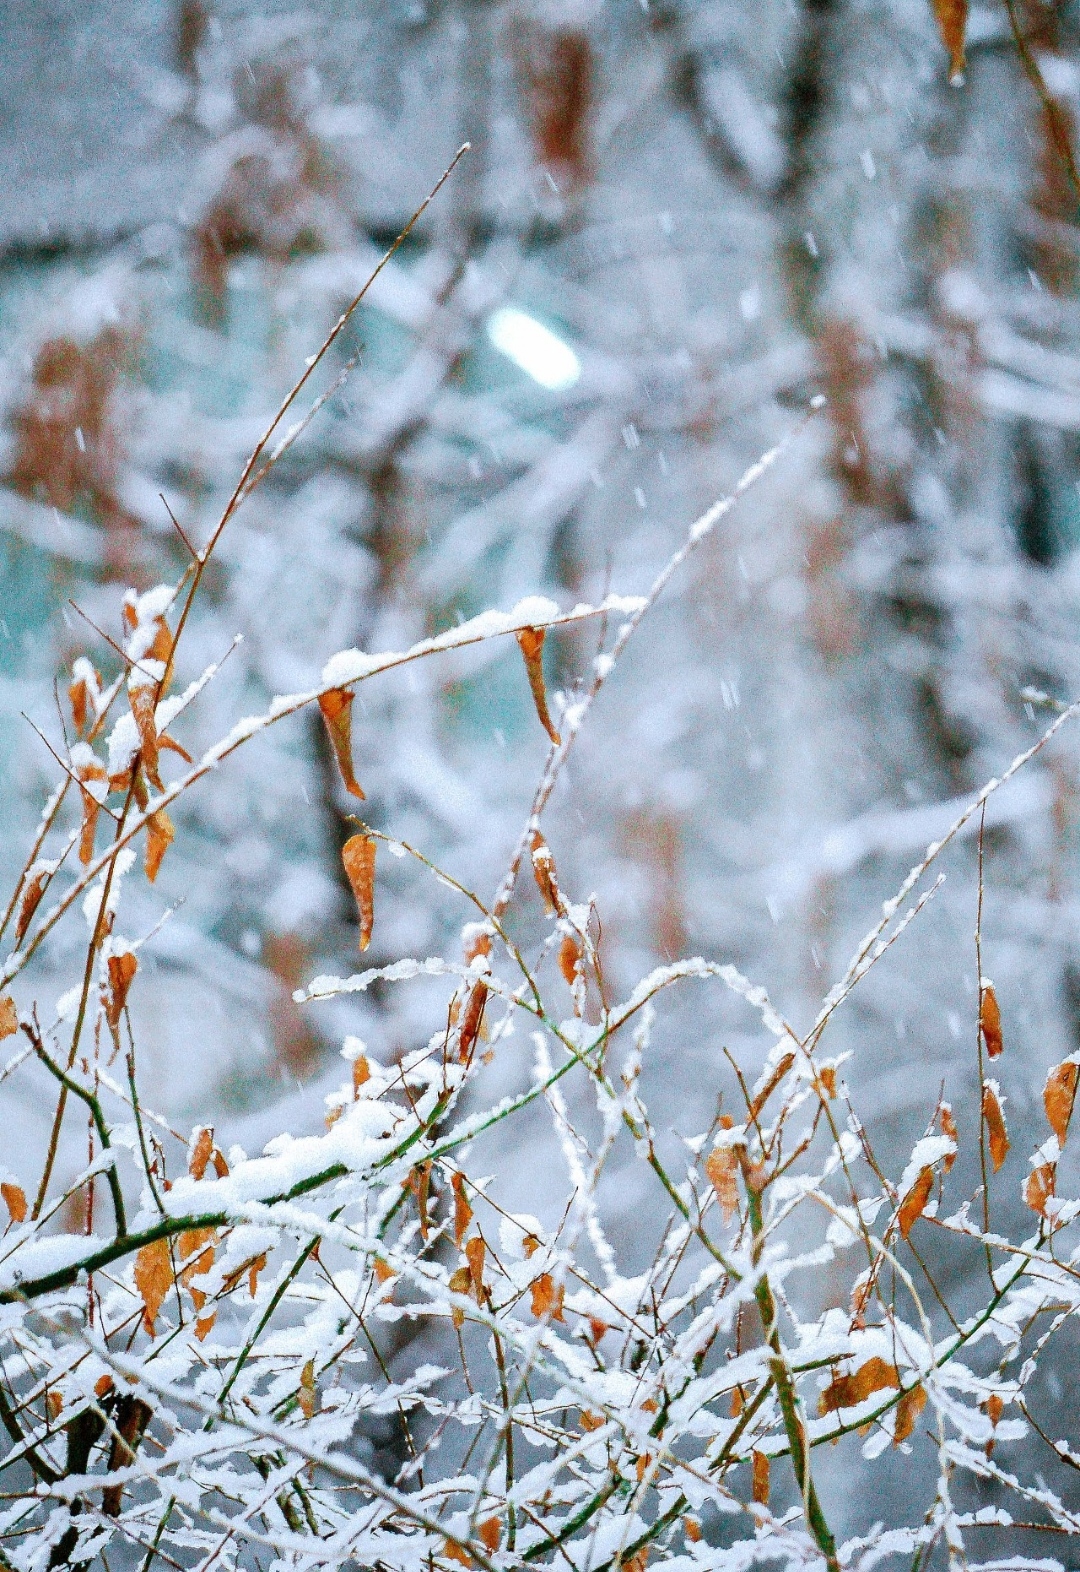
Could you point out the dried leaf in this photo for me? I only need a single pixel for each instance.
(770, 1086)
(129, 1426)
(948, 1129)
(54, 1402)
(547, 1300)
(722, 1167)
(221, 1167)
(419, 1182)
(358, 857)
(159, 837)
(383, 1270)
(336, 706)
(33, 890)
(361, 1072)
(692, 1529)
(1059, 1094)
(460, 1283)
(531, 641)
(122, 969)
(990, 1019)
(14, 1200)
(847, 1391)
(203, 1145)
(908, 1410)
(306, 1395)
(995, 1407)
(255, 1266)
(543, 867)
(9, 1016)
(475, 1250)
(914, 1203)
(760, 1470)
(196, 1248)
(90, 810)
(597, 1328)
(995, 1123)
(1039, 1187)
(472, 1020)
(489, 1533)
(827, 1080)
(952, 25)
(642, 1465)
(591, 1422)
(143, 699)
(452, 1551)
(153, 1279)
(204, 1325)
(79, 703)
(462, 1210)
(571, 956)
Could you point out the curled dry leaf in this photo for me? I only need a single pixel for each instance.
(759, 1467)
(153, 1279)
(590, 1422)
(30, 900)
(547, 1300)
(475, 1250)
(196, 1249)
(952, 24)
(419, 1182)
(122, 969)
(143, 698)
(15, 1200)
(358, 858)
(462, 1210)
(452, 1551)
(460, 1283)
(908, 1410)
(1059, 1095)
(543, 867)
(847, 1391)
(336, 707)
(722, 1167)
(361, 1073)
(571, 956)
(1039, 1187)
(130, 1420)
(472, 1020)
(692, 1529)
(306, 1395)
(949, 1130)
(201, 1146)
(531, 641)
(9, 1016)
(159, 837)
(762, 1097)
(995, 1123)
(489, 1533)
(990, 1019)
(914, 1203)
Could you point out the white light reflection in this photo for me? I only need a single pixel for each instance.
(535, 348)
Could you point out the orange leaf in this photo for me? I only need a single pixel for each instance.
(546, 1299)
(597, 1329)
(827, 1080)
(306, 1394)
(948, 1128)
(771, 1084)
(153, 1279)
(914, 1203)
(847, 1391)
(543, 866)
(31, 899)
(990, 1019)
(198, 1244)
(462, 1209)
(1059, 1094)
(760, 1467)
(255, 1266)
(475, 1250)
(952, 25)
(358, 857)
(221, 1167)
(692, 1529)
(159, 837)
(995, 1407)
(455, 1552)
(489, 1533)
(90, 809)
(460, 1283)
(361, 1072)
(79, 703)
(382, 1269)
(591, 1421)
(200, 1152)
(143, 701)
(571, 955)
(204, 1325)
(908, 1410)
(122, 969)
(9, 1016)
(336, 706)
(473, 1020)
(1039, 1187)
(14, 1200)
(531, 641)
(722, 1166)
(419, 1181)
(995, 1124)
(54, 1402)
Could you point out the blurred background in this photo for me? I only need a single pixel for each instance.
(680, 220)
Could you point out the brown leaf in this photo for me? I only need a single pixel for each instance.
(543, 867)
(692, 1529)
(1059, 1094)
(597, 1328)
(9, 1016)
(383, 1270)
(475, 1250)
(914, 1203)
(336, 706)
(460, 1283)
(255, 1266)
(827, 1080)
(995, 1124)
(472, 1020)
(33, 890)
(571, 955)
(358, 857)
(172, 746)
(204, 1325)
(419, 1182)
(129, 1426)
(847, 1391)
(722, 1167)
(462, 1210)
(531, 641)
(759, 1465)
(14, 1200)
(159, 837)
(153, 1279)
(122, 969)
(54, 1402)
(952, 25)
(79, 703)
(591, 1421)
(221, 1167)
(948, 1129)
(990, 1019)
(361, 1072)
(547, 1300)
(90, 810)
(489, 1533)
(908, 1410)
(200, 1151)
(143, 700)
(1039, 1187)
(196, 1248)
(452, 1551)
(995, 1407)
(306, 1394)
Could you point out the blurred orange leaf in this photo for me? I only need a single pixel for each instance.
(472, 1020)
(9, 1016)
(952, 25)
(570, 958)
(200, 1152)
(489, 1533)
(14, 1200)
(306, 1395)
(990, 1019)
(995, 1124)
(475, 1250)
(1059, 1094)
(760, 1471)
(153, 1279)
(336, 707)
(358, 857)
(531, 641)
(914, 1203)
(847, 1391)
(159, 837)
(462, 1210)
(722, 1166)
(908, 1410)
(122, 969)
(543, 867)
(948, 1128)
